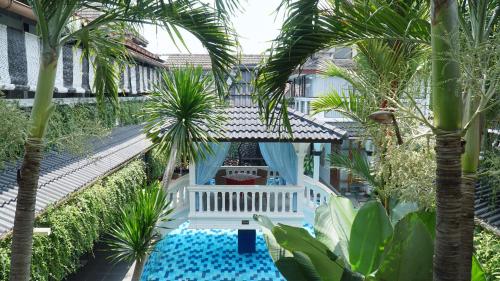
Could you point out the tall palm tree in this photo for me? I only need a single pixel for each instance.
(479, 25)
(57, 26)
(447, 108)
(183, 110)
(315, 25)
(134, 236)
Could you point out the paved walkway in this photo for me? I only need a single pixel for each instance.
(100, 268)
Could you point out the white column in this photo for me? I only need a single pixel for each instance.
(300, 149)
(316, 161)
(192, 173)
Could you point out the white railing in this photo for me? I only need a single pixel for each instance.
(315, 195)
(233, 206)
(177, 193)
(303, 105)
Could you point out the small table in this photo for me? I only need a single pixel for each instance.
(241, 179)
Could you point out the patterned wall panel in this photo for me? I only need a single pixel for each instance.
(20, 60)
(4, 61)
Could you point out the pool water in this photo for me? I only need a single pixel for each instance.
(208, 254)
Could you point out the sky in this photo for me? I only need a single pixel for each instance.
(256, 26)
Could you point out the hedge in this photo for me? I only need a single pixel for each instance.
(487, 247)
(77, 224)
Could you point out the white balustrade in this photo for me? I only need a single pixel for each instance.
(315, 194)
(234, 205)
(177, 193)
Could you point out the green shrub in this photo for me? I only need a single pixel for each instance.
(77, 224)
(487, 246)
(69, 127)
(155, 164)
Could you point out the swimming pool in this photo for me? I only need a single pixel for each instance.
(208, 254)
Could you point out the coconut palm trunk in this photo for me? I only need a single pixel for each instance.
(169, 170)
(138, 268)
(27, 177)
(447, 104)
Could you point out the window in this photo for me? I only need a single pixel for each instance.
(342, 53)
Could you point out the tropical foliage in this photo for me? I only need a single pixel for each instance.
(135, 234)
(355, 245)
(184, 116)
(69, 128)
(58, 25)
(364, 244)
(58, 255)
(487, 251)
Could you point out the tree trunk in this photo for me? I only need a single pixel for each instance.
(467, 226)
(27, 178)
(447, 108)
(138, 268)
(448, 207)
(470, 164)
(169, 170)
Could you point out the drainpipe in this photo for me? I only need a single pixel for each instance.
(17, 7)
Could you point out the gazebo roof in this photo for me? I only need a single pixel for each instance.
(245, 124)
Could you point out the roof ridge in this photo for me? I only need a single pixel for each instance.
(312, 119)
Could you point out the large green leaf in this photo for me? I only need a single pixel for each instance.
(296, 239)
(401, 210)
(275, 250)
(370, 230)
(477, 273)
(332, 224)
(408, 256)
(292, 270)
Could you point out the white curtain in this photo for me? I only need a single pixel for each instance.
(281, 157)
(208, 167)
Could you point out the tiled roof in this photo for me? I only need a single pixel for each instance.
(244, 124)
(63, 173)
(353, 129)
(203, 60)
(487, 205)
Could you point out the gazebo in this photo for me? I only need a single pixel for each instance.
(279, 190)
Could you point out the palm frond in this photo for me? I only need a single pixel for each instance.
(135, 235)
(358, 165)
(105, 50)
(185, 113)
(311, 27)
(205, 24)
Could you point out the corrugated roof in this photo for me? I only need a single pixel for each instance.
(245, 124)
(203, 60)
(64, 173)
(487, 205)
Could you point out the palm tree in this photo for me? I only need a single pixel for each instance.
(184, 115)
(134, 237)
(478, 22)
(311, 27)
(55, 30)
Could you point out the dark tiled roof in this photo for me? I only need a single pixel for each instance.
(64, 173)
(353, 129)
(487, 205)
(203, 60)
(244, 124)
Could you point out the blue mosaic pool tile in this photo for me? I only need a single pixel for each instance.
(208, 254)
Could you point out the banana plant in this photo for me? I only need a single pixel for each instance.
(350, 244)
